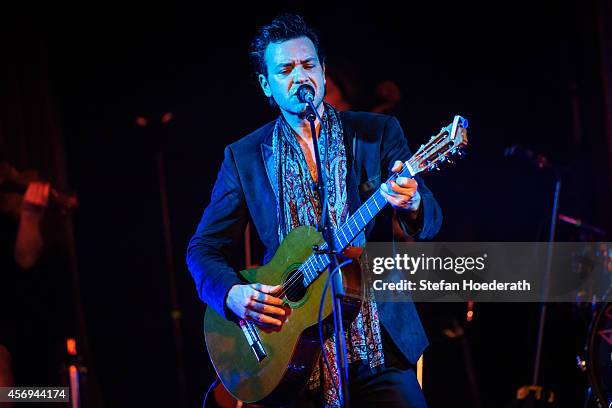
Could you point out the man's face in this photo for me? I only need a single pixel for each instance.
(290, 64)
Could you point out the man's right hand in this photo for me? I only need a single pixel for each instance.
(254, 302)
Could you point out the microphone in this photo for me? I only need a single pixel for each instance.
(306, 93)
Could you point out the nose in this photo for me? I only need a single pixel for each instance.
(299, 75)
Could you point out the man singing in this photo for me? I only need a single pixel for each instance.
(270, 177)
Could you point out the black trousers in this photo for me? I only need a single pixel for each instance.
(392, 385)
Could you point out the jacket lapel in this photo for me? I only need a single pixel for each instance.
(271, 223)
(268, 160)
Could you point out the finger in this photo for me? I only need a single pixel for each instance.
(261, 318)
(266, 309)
(396, 199)
(398, 191)
(387, 187)
(391, 198)
(265, 288)
(406, 182)
(263, 298)
(259, 294)
(397, 166)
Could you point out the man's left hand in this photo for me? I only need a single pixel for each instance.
(403, 193)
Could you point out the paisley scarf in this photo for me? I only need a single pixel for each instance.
(298, 203)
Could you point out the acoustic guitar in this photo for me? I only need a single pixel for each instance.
(271, 365)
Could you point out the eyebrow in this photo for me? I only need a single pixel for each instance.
(290, 64)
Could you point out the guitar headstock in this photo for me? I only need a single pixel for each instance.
(441, 148)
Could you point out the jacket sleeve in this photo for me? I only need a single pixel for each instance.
(220, 229)
(394, 147)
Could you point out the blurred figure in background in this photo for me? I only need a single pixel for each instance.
(24, 351)
(335, 96)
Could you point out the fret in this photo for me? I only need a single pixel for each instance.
(306, 273)
(320, 263)
(311, 272)
(354, 221)
(308, 277)
(368, 208)
(352, 234)
(374, 203)
(348, 225)
(361, 215)
(378, 204)
(313, 267)
(340, 241)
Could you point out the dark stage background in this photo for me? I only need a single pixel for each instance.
(78, 76)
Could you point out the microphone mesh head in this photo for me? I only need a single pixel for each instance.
(305, 93)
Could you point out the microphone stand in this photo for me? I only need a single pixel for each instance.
(541, 163)
(336, 279)
(547, 272)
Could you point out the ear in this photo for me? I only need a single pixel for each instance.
(265, 85)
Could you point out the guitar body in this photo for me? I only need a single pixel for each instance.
(291, 350)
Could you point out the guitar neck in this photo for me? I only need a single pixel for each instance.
(449, 141)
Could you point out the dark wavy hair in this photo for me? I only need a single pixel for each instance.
(283, 28)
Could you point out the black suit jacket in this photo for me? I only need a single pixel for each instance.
(244, 191)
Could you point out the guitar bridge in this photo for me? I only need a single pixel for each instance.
(250, 332)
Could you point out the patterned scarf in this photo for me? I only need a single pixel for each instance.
(298, 204)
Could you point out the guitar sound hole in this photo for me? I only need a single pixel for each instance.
(295, 286)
